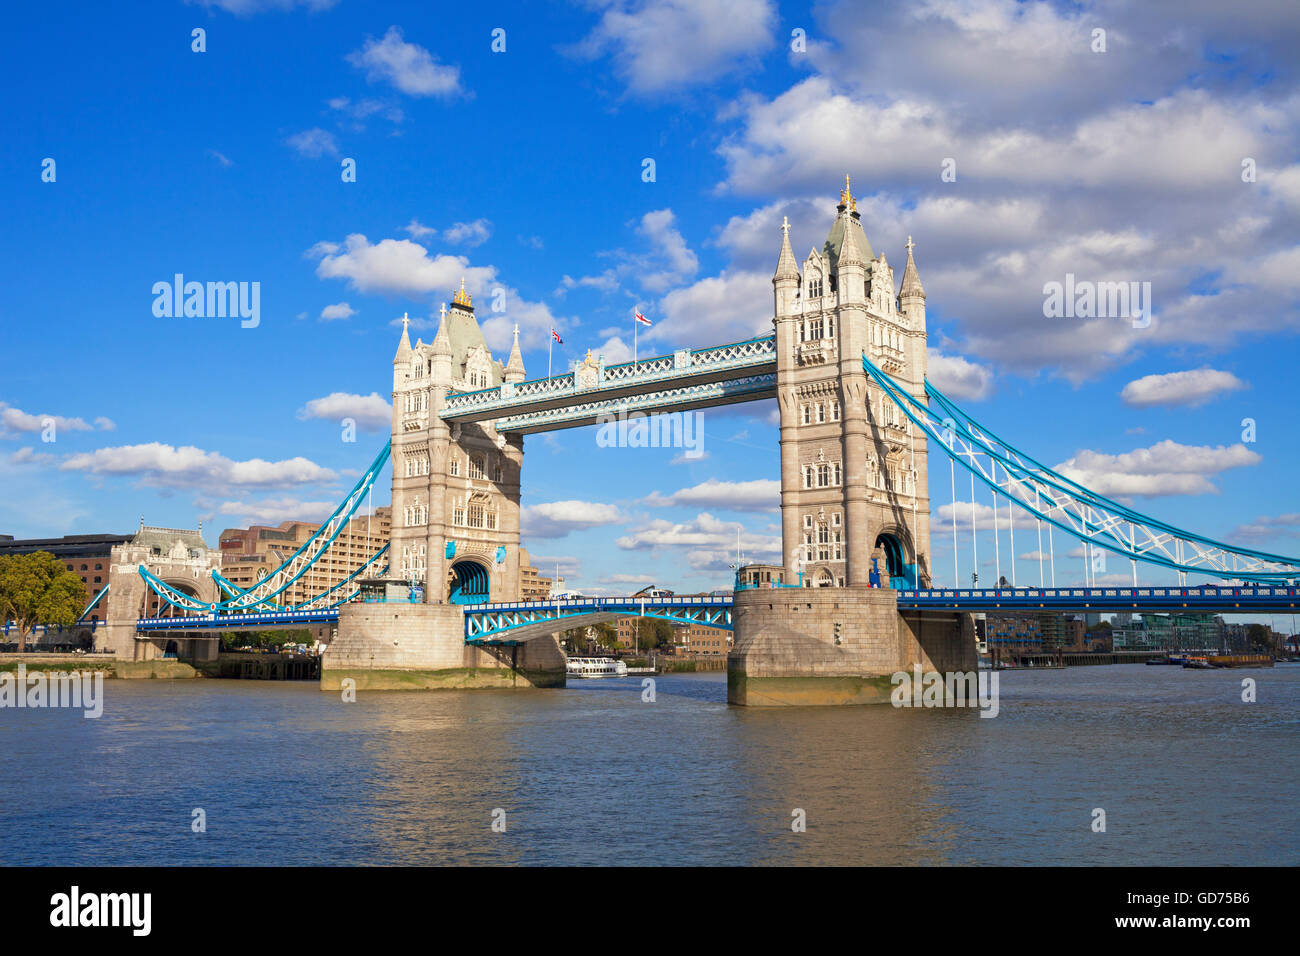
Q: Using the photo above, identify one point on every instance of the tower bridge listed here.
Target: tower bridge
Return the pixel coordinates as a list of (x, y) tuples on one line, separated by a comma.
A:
[(855, 599)]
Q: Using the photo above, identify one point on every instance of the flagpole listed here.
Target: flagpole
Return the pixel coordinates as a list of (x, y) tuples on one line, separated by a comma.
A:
[(550, 344), (635, 328)]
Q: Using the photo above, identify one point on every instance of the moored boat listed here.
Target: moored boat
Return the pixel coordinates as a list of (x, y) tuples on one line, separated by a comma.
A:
[(594, 667)]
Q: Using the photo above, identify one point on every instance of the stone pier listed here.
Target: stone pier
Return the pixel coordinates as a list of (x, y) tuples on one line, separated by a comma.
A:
[(401, 646), (818, 646)]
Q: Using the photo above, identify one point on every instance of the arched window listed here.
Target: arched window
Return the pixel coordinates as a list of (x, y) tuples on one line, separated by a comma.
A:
[(823, 475), (455, 465), (807, 414), (476, 466)]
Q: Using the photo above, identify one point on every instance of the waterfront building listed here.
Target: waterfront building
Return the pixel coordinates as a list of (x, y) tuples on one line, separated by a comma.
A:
[(250, 554), (88, 556)]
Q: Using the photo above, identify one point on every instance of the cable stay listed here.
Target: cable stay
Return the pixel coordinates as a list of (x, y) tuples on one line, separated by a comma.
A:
[(244, 600), (1085, 515)]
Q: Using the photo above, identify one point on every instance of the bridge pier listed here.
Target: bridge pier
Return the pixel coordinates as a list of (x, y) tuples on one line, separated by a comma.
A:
[(830, 646), (400, 646)]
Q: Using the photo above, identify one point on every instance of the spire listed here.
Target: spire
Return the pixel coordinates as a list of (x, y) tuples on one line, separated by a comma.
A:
[(515, 366), (404, 345), (911, 281), (850, 254), (785, 265), (441, 341)]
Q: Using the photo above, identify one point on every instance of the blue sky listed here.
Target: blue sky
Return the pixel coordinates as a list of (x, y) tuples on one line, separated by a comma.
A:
[(522, 170)]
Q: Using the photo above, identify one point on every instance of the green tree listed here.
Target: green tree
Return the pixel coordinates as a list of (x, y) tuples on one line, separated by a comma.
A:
[(37, 589), (653, 632)]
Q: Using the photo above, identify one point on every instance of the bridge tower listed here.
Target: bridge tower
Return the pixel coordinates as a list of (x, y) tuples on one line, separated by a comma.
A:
[(853, 473), (455, 529), (855, 507), (455, 487)]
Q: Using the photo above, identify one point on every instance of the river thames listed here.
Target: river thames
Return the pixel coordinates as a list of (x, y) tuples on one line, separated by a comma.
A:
[(1185, 771)]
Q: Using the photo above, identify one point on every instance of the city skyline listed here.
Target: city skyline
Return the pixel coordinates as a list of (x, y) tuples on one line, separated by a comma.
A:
[(524, 171)]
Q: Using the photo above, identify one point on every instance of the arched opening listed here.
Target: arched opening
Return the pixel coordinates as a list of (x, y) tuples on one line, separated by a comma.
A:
[(170, 650), (901, 574), (469, 583)]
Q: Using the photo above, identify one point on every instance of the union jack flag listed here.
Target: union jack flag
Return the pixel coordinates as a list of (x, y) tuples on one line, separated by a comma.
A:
[(556, 335)]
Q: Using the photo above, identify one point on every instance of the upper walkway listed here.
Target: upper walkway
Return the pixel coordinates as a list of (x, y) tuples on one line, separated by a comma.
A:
[(687, 379)]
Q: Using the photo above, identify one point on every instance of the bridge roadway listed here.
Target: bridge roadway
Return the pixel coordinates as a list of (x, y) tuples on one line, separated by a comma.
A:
[(514, 622)]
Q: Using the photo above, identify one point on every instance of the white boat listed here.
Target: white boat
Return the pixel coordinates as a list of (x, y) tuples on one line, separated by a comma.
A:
[(595, 667)]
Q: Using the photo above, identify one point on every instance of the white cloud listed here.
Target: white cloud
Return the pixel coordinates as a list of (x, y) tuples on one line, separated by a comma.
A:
[(705, 539), (164, 466), (418, 230), (340, 310), (958, 378), (314, 143), (468, 233), (760, 495), (979, 516), (724, 308), (1166, 468), (555, 519), (409, 67), (371, 412), (14, 421), (396, 266), (661, 45), (272, 511), (1263, 528), (1191, 388)]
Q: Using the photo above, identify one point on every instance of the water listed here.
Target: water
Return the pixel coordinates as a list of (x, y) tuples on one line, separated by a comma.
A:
[(1186, 772)]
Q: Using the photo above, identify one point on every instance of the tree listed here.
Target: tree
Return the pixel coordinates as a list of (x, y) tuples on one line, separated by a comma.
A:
[(653, 632), (36, 589)]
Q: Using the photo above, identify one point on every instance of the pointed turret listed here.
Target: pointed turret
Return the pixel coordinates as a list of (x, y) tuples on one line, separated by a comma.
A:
[(785, 283), (441, 341), (786, 267), (911, 296), (515, 366), (404, 345), (911, 281)]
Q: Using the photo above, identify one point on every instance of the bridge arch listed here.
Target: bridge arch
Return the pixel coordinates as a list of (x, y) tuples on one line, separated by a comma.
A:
[(894, 544), (469, 582)]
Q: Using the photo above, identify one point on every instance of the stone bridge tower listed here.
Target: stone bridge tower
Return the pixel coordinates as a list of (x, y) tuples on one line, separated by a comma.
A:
[(854, 482), (455, 487)]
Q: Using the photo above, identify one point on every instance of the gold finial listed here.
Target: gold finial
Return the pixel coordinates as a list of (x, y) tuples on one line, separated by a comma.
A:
[(846, 195), (461, 297)]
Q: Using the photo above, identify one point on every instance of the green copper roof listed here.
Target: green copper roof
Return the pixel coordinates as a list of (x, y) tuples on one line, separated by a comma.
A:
[(831, 250)]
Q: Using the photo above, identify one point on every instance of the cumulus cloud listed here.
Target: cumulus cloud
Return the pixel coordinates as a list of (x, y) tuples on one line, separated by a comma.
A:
[(165, 466), (371, 412), (555, 519), (468, 233), (408, 67), (958, 378), (1191, 388), (395, 266), (759, 495), (1166, 468), (340, 310), (663, 45)]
